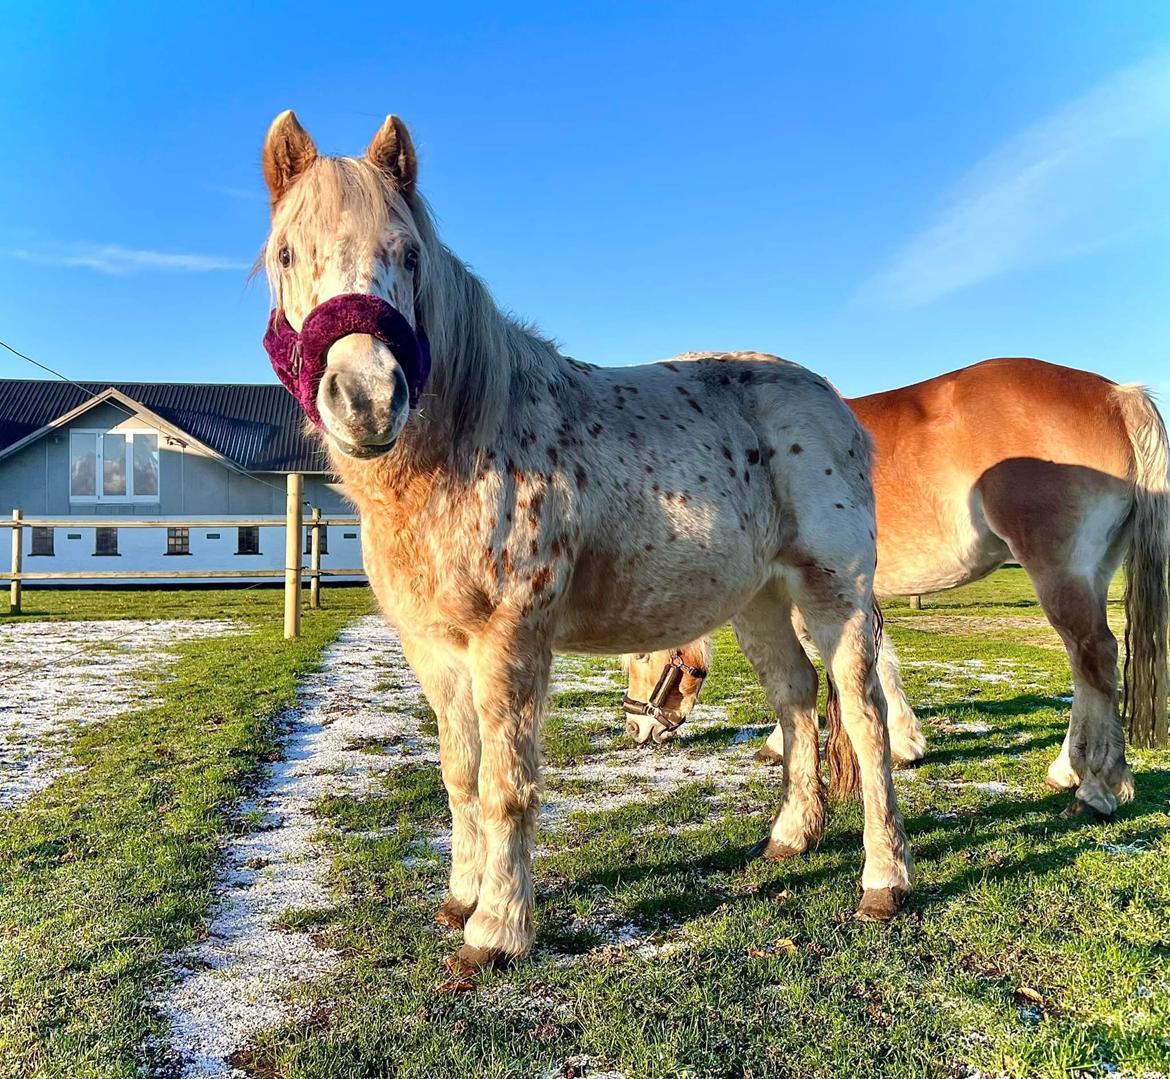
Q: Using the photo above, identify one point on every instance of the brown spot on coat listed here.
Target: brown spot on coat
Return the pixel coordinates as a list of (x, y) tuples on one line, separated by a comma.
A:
[(796, 447)]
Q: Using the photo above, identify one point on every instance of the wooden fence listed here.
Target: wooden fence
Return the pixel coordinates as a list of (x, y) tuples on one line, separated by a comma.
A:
[(292, 571)]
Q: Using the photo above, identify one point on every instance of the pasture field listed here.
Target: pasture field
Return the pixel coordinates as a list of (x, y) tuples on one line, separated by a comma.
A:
[(1034, 944)]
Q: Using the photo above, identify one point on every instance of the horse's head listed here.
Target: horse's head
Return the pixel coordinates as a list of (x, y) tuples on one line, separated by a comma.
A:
[(345, 260), (663, 689)]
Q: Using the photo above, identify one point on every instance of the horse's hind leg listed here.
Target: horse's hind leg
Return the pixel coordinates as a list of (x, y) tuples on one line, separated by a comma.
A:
[(1092, 757), (765, 633), (447, 685), (844, 629), (907, 742)]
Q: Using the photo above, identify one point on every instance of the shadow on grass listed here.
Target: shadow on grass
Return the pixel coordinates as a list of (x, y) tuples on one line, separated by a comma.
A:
[(713, 879)]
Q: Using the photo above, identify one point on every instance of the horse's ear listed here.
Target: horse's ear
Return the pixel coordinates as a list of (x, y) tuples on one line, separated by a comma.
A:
[(393, 152), (288, 151)]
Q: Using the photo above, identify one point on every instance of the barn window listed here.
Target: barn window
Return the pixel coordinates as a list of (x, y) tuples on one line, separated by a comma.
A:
[(324, 538), (248, 540), (113, 466), (178, 541), (42, 541), (106, 541)]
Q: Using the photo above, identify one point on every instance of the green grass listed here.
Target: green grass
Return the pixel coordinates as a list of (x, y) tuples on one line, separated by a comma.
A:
[(110, 869), (1034, 945)]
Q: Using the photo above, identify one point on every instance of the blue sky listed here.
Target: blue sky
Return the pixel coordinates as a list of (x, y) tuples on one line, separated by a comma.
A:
[(881, 192)]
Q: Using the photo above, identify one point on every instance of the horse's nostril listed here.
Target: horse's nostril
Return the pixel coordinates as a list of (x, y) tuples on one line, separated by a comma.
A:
[(400, 399), (346, 397), (332, 391)]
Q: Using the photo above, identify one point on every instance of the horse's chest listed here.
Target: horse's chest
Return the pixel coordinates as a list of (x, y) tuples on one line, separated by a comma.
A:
[(429, 574)]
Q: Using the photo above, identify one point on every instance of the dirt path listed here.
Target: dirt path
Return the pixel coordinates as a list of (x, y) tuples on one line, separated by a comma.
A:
[(236, 982)]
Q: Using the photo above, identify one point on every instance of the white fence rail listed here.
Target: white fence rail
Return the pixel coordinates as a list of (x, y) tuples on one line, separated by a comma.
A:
[(294, 522)]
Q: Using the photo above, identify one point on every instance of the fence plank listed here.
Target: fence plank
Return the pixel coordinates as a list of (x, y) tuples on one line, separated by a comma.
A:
[(165, 522)]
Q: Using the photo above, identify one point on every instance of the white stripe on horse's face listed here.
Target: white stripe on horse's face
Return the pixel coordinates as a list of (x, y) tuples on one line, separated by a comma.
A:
[(359, 246)]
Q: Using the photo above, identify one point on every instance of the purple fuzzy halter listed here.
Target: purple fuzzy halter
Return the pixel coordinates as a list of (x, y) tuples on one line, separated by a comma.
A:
[(299, 358)]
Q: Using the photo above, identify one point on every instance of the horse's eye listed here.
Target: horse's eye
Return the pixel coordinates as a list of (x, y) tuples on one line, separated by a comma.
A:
[(410, 259), (284, 257)]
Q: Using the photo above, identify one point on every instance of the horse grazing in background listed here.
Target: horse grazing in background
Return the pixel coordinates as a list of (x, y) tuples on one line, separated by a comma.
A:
[(663, 689), (1062, 471), (512, 505)]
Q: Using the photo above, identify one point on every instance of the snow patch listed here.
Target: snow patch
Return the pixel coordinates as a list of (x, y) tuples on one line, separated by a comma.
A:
[(237, 980), (59, 677)]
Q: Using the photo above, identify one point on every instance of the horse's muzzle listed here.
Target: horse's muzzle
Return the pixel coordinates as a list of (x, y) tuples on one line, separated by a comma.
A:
[(300, 359), (363, 398)]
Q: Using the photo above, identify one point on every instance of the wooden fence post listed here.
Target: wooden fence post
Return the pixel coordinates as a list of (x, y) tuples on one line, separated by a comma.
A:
[(916, 603), (315, 560), (292, 557), (17, 548)]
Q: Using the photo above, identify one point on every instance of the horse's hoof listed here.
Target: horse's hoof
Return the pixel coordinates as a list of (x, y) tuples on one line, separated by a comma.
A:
[(1077, 808), (453, 914), (767, 756), (771, 851), (470, 960), (881, 904), (1053, 785)]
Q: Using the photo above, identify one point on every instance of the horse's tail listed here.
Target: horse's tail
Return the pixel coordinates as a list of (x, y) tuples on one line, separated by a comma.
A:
[(1146, 679), (844, 770)]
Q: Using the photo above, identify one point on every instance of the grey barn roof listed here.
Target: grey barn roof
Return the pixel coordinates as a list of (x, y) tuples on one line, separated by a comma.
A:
[(259, 427)]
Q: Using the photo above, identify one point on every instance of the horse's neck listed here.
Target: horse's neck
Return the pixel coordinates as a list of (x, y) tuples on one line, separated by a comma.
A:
[(481, 358)]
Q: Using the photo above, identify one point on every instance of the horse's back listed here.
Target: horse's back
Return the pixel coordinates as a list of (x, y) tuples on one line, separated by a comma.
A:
[(1006, 456)]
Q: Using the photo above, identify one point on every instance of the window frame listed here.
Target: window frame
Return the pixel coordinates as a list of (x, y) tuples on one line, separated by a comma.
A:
[(41, 533), (97, 532), (174, 539), (240, 530), (324, 539), (98, 435)]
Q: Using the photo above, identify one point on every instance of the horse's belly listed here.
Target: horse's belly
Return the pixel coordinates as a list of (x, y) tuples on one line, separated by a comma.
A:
[(935, 550), (619, 605)]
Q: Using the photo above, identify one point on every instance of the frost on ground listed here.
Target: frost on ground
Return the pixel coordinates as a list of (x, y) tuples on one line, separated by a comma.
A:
[(237, 980), (57, 677)]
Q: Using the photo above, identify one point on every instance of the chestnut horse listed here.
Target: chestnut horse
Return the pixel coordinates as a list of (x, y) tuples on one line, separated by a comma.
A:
[(1062, 471), (520, 509)]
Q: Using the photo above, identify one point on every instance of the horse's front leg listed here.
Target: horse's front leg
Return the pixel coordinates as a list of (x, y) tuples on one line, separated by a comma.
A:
[(510, 673), (446, 681)]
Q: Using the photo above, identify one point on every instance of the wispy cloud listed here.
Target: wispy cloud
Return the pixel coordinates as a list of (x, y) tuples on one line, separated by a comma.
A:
[(117, 260), (1081, 178), (243, 194)]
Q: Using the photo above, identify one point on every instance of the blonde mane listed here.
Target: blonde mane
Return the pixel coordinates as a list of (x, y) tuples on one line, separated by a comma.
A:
[(482, 357)]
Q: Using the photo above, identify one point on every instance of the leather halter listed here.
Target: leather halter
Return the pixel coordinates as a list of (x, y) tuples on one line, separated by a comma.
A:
[(668, 681)]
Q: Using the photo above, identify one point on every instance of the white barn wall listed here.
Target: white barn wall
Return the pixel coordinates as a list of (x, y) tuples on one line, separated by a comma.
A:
[(192, 484)]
